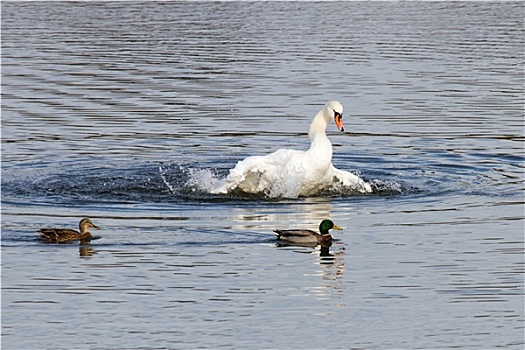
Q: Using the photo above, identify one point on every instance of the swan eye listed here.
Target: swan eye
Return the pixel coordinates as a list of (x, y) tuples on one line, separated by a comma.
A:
[(337, 114)]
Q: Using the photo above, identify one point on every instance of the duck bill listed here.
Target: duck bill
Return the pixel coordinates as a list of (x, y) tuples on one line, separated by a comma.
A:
[(339, 122), (337, 228), (96, 227)]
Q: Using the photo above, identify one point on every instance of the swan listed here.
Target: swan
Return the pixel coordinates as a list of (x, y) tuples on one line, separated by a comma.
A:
[(293, 173)]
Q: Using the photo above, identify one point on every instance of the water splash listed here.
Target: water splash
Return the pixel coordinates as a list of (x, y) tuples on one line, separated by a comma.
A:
[(186, 181), (388, 187), (181, 179)]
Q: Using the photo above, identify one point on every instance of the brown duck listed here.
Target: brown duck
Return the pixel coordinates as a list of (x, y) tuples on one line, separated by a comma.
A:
[(303, 236), (60, 235)]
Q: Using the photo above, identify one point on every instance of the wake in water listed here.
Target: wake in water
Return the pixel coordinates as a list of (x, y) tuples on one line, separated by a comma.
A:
[(158, 183)]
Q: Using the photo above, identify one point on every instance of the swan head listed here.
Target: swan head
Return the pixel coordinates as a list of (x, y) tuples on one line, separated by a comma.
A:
[(334, 110)]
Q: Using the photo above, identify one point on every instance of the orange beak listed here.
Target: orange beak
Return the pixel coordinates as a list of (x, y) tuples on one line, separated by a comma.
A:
[(339, 122)]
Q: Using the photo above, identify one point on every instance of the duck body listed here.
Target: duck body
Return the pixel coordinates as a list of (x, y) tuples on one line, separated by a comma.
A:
[(293, 173), (304, 236), (62, 235)]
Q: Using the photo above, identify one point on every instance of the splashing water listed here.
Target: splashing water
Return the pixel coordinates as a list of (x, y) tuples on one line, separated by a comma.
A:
[(203, 180), (184, 180)]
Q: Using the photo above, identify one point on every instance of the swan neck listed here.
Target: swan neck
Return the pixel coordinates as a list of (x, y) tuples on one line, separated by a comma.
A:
[(318, 126)]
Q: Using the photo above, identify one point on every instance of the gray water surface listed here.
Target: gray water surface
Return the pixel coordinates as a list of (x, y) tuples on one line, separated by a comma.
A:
[(124, 111)]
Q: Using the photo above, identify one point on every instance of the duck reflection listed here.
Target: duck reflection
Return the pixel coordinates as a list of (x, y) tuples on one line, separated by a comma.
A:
[(85, 250), (326, 256), (336, 259), (328, 259)]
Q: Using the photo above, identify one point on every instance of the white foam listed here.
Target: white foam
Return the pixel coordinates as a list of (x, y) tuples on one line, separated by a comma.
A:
[(183, 179), (202, 180)]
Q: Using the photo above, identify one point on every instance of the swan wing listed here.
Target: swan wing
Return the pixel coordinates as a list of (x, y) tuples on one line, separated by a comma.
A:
[(259, 173), (348, 179)]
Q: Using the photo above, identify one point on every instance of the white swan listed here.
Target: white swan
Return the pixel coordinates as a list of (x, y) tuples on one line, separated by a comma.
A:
[(292, 173)]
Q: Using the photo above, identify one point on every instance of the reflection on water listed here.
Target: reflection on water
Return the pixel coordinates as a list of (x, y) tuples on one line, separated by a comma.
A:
[(85, 251), (308, 213), (126, 112)]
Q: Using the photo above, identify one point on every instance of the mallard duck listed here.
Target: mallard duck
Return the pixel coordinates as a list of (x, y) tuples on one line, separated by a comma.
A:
[(65, 235), (303, 236)]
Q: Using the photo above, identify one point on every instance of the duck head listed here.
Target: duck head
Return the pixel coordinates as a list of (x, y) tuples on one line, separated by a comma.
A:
[(85, 224), (326, 225)]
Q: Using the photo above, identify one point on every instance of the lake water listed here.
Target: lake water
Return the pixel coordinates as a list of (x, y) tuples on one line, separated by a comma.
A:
[(124, 111)]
